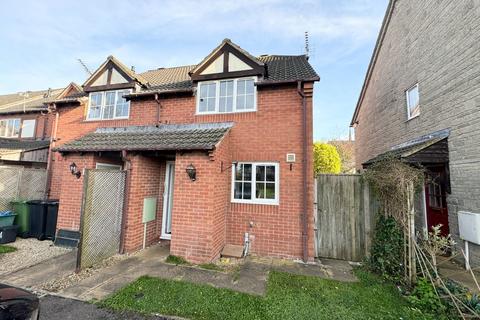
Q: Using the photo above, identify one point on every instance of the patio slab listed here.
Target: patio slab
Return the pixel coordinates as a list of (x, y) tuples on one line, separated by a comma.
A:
[(251, 277)]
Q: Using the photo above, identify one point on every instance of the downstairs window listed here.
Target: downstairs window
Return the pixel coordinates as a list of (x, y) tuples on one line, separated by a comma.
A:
[(256, 183)]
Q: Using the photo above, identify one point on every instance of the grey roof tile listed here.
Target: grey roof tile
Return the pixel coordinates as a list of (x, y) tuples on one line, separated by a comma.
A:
[(17, 103), (199, 136), (17, 144)]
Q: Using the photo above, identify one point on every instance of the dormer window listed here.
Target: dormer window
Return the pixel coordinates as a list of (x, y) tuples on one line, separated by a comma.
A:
[(227, 96), (108, 105)]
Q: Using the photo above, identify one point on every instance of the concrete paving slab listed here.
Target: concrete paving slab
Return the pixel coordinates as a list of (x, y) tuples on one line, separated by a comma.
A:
[(34, 276)]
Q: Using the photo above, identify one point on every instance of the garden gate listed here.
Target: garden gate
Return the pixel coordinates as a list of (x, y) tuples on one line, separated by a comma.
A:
[(101, 216), (344, 217)]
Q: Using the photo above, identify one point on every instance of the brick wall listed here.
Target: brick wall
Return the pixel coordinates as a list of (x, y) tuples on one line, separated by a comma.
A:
[(200, 228), (145, 177), (437, 44)]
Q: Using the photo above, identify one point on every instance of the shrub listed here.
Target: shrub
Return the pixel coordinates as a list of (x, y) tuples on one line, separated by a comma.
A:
[(326, 158), (386, 257), (425, 298)]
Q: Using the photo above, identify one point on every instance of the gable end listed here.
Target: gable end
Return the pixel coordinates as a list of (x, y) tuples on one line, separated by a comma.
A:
[(227, 62)]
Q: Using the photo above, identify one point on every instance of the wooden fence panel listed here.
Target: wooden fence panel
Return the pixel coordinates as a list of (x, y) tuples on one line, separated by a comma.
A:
[(345, 217)]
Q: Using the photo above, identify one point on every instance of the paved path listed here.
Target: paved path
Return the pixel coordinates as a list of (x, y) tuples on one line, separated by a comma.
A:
[(251, 277), (34, 276)]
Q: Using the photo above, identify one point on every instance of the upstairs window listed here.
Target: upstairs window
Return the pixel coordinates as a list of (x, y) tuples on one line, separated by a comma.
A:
[(413, 102), (28, 128), (9, 128), (226, 96), (255, 183), (107, 105)]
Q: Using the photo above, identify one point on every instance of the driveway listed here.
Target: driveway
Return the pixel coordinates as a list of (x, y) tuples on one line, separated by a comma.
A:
[(57, 308)]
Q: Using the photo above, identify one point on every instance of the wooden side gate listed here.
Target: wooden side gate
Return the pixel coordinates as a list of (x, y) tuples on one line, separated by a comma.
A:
[(345, 217), (101, 218)]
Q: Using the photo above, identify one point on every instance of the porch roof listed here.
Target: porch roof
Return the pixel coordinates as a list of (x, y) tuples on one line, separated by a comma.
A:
[(431, 148), (22, 145), (198, 136)]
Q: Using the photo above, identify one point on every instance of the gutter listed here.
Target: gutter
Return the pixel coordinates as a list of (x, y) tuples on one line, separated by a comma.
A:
[(304, 173), (273, 82), (373, 60)]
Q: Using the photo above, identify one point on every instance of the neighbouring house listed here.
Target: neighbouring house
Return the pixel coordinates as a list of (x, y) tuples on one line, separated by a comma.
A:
[(25, 128), (239, 125), (421, 102)]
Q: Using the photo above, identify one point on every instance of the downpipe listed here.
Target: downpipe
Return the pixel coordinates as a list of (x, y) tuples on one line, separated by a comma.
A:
[(304, 173)]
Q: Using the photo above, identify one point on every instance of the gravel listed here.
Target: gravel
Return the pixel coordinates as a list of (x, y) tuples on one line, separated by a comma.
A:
[(29, 252)]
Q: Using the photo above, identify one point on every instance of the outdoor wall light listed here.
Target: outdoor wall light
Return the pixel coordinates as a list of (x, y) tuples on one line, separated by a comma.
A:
[(191, 172), (74, 170)]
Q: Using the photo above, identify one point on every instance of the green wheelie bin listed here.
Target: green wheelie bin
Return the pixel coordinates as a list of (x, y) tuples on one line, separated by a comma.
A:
[(22, 219)]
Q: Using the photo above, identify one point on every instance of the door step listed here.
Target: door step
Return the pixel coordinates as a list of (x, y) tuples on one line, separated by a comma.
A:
[(67, 238), (232, 251)]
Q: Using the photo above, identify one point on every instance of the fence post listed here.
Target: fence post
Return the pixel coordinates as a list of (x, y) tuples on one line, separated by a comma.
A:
[(82, 217)]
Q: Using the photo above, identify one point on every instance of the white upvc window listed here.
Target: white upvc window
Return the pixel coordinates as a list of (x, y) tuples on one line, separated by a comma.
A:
[(255, 182), (28, 128), (9, 128), (413, 102), (107, 105), (227, 96)]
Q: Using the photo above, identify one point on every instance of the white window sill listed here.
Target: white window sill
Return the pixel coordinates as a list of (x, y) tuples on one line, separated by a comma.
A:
[(411, 118), (98, 120), (223, 113), (255, 202)]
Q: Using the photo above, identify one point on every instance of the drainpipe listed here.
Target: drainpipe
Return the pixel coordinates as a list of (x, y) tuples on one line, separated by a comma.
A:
[(128, 169), (53, 138), (304, 173), (157, 99)]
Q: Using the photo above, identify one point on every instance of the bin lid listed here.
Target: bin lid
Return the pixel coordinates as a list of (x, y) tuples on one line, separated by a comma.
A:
[(18, 201), (35, 201)]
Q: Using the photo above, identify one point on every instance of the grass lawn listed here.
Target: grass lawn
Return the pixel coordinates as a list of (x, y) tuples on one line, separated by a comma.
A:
[(6, 249), (288, 297)]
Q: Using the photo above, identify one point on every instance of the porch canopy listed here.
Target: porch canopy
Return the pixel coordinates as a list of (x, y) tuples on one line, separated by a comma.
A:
[(165, 137), (428, 149)]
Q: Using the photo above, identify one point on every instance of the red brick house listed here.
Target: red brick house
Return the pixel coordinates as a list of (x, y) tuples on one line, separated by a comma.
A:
[(25, 128), (242, 123)]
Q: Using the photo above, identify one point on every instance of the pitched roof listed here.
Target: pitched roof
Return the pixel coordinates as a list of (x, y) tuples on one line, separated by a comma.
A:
[(279, 69), (199, 136), (24, 145), (406, 150), (373, 59), (34, 101)]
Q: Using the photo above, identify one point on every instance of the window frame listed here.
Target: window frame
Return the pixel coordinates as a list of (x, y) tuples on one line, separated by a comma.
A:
[(34, 128), (102, 106), (13, 120), (217, 96), (254, 199), (409, 116)]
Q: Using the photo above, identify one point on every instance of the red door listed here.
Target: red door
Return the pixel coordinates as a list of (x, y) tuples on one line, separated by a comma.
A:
[(436, 199)]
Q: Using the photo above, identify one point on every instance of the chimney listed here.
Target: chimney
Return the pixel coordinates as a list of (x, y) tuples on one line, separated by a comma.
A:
[(133, 68)]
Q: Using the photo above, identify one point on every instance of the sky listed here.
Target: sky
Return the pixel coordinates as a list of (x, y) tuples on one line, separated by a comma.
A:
[(42, 40)]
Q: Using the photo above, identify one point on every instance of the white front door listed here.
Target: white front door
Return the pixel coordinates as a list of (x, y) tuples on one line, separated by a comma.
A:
[(168, 201)]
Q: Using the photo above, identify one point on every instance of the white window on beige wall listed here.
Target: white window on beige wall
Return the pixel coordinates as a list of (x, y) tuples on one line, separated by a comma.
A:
[(413, 102), (28, 128)]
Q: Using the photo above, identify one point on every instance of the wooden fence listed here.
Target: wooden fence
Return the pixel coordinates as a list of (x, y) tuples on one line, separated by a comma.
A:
[(345, 217)]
